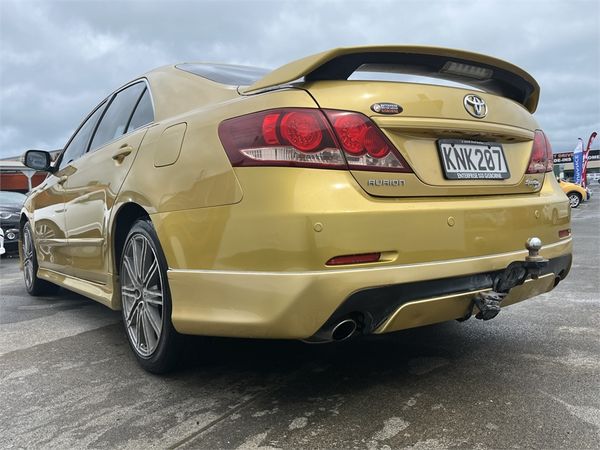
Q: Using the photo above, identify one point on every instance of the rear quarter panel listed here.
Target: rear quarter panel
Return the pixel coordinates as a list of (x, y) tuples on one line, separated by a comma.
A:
[(201, 176)]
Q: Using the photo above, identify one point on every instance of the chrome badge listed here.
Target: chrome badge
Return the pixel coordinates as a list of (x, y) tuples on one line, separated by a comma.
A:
[(386, 182), (386, 108), (475, 106)]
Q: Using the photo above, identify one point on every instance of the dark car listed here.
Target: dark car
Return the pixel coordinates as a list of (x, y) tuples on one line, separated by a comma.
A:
[(10, 210)]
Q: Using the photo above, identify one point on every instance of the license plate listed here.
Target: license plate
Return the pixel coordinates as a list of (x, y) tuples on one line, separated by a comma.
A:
[(470, 160)]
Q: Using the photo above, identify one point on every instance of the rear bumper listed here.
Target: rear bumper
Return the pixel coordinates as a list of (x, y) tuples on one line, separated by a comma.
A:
[(296, 305), (294, 220)]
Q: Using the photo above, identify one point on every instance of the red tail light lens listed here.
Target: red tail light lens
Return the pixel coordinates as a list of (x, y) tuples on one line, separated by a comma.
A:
[(365, 146), (303, 137), (296, 137), (269, 130), (302, 130), (541, 154), (350, 129), (375, 144)]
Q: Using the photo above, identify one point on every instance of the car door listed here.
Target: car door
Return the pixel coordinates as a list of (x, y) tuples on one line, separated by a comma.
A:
[(91, 190), (48, 224)]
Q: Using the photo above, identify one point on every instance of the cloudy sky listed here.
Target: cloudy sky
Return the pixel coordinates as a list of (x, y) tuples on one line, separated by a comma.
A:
[(59, 58)]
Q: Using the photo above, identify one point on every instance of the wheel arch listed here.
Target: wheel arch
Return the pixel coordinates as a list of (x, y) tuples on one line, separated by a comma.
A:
[(122, 223)]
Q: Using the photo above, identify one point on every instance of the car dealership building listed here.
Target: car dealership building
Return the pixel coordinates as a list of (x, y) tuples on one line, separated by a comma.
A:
[(563, 164)]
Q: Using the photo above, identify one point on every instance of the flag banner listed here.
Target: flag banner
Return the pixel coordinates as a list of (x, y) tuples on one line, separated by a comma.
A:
[(578, 162), (586, 158)]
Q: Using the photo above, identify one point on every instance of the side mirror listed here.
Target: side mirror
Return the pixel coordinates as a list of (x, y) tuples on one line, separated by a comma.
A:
[(38, 160)]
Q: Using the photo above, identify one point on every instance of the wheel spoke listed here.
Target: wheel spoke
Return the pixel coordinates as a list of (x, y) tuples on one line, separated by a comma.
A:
[(150, 273), (139, 251), (127, 290), (154, 320), (153, 297), (148, 338), (130, 271), (133, 311), (143, 249), (138, 329), (134, 261)]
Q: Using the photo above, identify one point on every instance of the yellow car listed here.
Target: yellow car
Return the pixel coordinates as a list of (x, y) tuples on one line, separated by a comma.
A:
[(574, 192), (318, 201)]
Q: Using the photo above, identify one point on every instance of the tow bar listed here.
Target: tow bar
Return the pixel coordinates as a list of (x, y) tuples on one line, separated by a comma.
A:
[(515, 274)]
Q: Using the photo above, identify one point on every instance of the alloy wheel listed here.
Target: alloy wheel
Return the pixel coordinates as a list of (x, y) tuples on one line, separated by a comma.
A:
[(28, 256), (574, 200), (142, 293)]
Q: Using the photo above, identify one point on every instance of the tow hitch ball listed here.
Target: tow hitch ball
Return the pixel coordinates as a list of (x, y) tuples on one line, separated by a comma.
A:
[(515, 274)]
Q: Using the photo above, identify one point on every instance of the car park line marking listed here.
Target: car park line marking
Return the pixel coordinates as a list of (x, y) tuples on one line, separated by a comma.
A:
[(210, 424), (588, 414), (254, 442)]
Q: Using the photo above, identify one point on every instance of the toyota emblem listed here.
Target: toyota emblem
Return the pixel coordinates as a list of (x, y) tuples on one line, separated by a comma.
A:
[(475, 106)]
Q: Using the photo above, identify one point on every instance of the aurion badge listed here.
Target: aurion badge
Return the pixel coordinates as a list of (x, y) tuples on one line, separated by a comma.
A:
[(475, 106)]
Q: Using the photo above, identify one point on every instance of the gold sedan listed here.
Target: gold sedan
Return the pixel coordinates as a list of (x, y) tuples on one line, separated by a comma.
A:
[(322, 200)]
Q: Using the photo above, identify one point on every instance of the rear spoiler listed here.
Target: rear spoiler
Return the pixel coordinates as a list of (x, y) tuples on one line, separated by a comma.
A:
[(480, 71)]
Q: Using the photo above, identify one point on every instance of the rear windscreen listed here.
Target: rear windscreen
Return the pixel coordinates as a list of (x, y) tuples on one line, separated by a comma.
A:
[(372, 74), (225, 74)]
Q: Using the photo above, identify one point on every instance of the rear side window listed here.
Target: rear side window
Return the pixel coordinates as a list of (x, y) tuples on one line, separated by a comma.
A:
[(143, 114), (115, 120), (80, 141)]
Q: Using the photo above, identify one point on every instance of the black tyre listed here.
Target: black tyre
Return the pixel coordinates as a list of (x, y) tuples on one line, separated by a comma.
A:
[(34, 285), (146, 300), (574, 199)]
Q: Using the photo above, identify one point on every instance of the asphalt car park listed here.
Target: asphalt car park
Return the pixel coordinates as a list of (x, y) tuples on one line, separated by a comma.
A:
[(528, 378)]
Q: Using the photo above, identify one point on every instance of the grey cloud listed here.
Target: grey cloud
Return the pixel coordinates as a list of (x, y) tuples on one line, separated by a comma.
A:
[(59, 58)]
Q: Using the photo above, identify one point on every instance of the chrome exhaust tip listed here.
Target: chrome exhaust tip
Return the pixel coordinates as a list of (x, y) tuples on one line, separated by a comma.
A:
[(343, 330)]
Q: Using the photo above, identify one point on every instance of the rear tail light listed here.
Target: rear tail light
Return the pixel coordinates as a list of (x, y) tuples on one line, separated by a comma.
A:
[(288, 137), (301, 137), (542, 159)]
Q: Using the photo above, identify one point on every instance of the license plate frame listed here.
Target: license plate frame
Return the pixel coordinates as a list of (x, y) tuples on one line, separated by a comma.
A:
[(463, 159)]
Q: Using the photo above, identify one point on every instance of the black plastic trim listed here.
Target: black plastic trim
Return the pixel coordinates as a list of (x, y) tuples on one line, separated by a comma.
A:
[(375, 305)]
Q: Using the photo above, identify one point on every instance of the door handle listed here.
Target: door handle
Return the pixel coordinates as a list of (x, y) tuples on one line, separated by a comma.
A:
[(62, 179), (122, 153)]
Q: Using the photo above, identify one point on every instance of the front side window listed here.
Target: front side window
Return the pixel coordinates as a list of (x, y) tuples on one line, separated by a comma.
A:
[(118, 113), (79, 144)]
